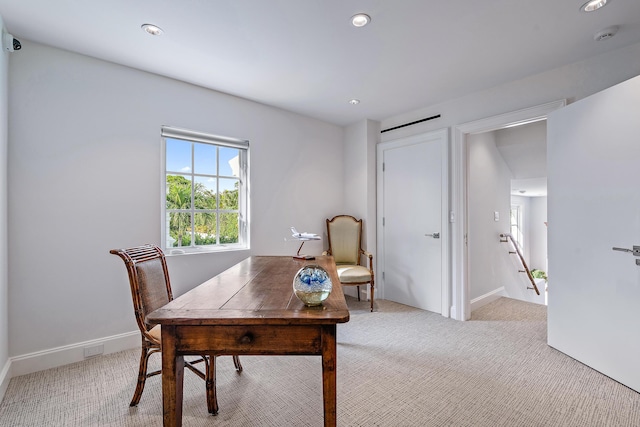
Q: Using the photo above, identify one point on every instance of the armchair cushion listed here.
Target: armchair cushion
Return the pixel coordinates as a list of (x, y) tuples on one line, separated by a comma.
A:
[(353, 274), (156, 333)]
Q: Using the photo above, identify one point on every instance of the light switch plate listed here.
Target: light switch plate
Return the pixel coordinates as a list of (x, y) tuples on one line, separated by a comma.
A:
[(496, 216)]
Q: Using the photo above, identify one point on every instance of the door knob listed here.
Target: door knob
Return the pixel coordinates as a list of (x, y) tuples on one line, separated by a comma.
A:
[(434, 235)]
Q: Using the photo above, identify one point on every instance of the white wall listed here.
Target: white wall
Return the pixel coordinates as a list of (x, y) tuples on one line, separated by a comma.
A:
[(4, 293), (355, 169), (360, 141), (85, 177), (359, 176), (489, 192), (524, 148)]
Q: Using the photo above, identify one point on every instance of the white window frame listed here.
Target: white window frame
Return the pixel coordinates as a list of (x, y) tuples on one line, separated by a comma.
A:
[(519, 225), (169, 132)]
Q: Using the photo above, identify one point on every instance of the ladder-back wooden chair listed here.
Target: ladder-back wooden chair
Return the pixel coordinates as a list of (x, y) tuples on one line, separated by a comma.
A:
[(344, 234), (151, 289)]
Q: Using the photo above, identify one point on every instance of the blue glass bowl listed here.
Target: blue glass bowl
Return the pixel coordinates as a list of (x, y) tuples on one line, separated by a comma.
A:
[(312, 285)]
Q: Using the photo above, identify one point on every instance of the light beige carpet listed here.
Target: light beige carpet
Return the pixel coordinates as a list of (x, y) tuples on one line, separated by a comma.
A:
[(398, 366)]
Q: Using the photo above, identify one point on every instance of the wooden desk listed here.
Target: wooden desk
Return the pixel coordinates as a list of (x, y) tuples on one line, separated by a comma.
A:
[(250, 309)]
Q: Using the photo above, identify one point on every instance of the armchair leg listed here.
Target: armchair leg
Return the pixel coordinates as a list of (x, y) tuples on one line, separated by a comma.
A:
[(358, 288), (236, 362), (372, 291)]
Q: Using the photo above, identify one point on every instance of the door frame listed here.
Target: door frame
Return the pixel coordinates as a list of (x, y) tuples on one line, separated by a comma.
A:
[(460, 300), (443, 135)]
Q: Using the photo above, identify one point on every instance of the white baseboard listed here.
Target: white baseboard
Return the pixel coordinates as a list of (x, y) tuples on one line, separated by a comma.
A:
[(487, 298), (59, 356), (5, 378)]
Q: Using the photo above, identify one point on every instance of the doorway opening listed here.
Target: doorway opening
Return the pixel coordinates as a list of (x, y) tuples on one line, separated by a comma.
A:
[(464, 254), (506, 210)]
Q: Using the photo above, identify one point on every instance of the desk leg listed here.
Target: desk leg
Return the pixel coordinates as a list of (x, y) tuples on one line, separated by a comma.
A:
[(172, 379), (329, 374)]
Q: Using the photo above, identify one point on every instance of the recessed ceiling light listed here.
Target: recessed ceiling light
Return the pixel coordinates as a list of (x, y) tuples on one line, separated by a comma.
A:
[(360, 20), (592, 5), (154, 30), (354, 101)]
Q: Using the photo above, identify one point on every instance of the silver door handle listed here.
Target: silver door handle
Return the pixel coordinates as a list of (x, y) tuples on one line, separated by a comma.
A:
[(635, 251), (434, 235)]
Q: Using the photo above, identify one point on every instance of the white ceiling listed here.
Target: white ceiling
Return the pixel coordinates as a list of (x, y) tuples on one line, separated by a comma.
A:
[(304, 56)]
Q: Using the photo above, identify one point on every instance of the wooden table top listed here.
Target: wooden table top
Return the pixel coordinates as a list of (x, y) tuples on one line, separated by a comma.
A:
[(258, 290)]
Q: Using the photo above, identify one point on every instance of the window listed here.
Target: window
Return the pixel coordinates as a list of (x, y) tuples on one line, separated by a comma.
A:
[(205, 193), (516, 225)]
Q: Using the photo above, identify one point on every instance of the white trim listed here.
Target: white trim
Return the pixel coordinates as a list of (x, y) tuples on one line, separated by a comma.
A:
[(485, 299), (459, 256), (5, 378), (59, 356), (514, 118), (443, 135), (192, 135), (379, 265)]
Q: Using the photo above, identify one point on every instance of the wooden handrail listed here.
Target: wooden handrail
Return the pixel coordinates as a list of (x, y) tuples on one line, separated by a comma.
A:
[(509, 238)]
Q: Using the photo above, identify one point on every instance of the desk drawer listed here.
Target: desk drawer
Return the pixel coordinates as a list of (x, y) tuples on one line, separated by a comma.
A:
[(255, 339)]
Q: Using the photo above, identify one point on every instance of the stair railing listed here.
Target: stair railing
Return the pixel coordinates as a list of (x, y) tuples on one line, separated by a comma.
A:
[(508, 238)]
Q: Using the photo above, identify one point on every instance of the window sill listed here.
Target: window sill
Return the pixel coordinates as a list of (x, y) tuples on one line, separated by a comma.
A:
[(169, 252)]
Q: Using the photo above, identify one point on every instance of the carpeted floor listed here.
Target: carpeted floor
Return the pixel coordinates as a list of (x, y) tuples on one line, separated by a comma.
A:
[(398, 366)]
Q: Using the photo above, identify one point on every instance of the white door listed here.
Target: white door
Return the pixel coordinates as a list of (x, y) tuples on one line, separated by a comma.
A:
[(412, 201), (593, 152)]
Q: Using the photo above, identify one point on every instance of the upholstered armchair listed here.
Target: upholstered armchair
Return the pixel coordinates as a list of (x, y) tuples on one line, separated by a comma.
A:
[(344, 233)]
